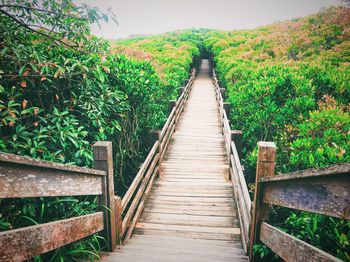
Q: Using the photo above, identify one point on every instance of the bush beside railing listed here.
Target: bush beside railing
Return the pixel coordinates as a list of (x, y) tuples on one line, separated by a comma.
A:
[(322, 190)]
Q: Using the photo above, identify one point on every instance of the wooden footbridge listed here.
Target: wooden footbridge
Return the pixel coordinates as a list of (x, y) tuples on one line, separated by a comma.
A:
[(189, 200)]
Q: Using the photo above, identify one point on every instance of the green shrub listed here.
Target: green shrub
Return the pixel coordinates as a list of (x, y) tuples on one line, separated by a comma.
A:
[(289, 83)]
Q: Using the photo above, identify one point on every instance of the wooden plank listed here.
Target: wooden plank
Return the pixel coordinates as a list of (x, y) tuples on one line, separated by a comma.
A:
[(140, 174), (323, 194), (204, 229), (337, 169), (190, 210), (160, 251), (209, 200), (185, 207), (24, 243), (169, 255), (290, 248), (17, 180), (190, 246), (189, 220), (23, 160)]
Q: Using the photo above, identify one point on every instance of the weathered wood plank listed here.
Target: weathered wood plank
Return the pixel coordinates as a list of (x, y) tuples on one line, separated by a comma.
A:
[(198, 229), (17, 180), (28, 161), (322, 194), (337, 169), (24, 243), (189, 220), (290, 248), (191, 210)]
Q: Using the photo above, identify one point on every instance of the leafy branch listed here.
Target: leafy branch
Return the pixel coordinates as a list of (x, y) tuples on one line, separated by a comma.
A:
[(59, 21)]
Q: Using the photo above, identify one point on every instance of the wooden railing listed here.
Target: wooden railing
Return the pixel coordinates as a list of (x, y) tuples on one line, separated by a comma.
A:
[(233, 142), (133, 201), (323, 191), (23, 177)]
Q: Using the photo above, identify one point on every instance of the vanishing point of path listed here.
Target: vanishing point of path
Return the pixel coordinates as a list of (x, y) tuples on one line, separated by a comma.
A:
[(190, 214)]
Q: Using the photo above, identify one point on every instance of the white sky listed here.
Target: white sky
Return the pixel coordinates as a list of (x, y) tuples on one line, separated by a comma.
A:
[(158, 16)]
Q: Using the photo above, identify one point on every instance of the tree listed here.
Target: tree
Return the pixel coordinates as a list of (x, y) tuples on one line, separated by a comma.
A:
[(61, 21)]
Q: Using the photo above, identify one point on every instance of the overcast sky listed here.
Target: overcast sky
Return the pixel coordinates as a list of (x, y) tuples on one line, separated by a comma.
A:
[(158, 16)]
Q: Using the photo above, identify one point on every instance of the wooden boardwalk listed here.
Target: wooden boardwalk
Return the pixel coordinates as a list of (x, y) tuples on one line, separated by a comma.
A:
[(190, 214)]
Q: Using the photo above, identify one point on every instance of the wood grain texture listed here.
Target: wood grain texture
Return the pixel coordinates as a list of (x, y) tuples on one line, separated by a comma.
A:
[(327, 195), (24, 243), (338, 169), (290, 248), (17, 180), (23, 160), (103, 160), (265, 167)]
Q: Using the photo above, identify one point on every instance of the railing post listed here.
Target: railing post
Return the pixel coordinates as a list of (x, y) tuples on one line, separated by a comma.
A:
[(265, 167), (118, 210), (155, 135), (227, 108), (236, 137), (222, 92), (103, 160), (181, 90), (171, 105)]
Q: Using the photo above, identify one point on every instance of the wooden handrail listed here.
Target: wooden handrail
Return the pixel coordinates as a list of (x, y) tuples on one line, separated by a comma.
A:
[(28, 161), (24, 243), (290, 248), (22, 177), (242, 198), (140, 174), (133, 201), (319, 190)]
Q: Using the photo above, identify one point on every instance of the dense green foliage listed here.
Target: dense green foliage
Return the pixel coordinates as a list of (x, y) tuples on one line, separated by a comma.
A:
[(289, 83), (172, 54)]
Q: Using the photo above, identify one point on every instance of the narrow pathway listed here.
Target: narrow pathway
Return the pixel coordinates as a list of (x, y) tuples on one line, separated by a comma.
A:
[(190, 214)]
